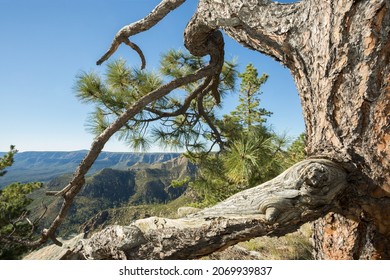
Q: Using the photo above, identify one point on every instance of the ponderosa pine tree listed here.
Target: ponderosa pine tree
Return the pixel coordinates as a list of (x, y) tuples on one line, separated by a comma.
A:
[(7, 160), (190, 129), (339, 56)]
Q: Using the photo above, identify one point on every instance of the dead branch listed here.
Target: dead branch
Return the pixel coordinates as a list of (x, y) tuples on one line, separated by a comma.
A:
[(158, 13)]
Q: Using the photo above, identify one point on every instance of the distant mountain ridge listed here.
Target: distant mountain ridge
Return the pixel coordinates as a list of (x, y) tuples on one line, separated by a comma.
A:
[(44, 166)]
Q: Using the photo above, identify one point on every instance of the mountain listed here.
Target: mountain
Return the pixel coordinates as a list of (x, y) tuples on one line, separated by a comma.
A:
[(45, 166)]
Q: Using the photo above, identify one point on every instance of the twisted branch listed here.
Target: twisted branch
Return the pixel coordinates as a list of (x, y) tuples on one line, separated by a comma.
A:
[(158, 13)]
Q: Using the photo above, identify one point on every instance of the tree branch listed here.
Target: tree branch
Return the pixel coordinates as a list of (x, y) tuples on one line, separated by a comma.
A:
[(158, 13), (206, 117), (72, 189), (260, 25), (301, 194), (204, 87)]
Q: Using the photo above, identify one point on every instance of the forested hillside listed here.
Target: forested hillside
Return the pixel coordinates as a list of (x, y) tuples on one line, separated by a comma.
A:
[(45, 166), (112, 188)]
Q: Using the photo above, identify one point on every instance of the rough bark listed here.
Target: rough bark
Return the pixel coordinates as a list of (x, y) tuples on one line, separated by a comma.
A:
[(338, 237)]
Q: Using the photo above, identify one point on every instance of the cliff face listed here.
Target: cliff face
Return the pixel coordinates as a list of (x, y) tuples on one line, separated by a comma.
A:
[(45, 166)]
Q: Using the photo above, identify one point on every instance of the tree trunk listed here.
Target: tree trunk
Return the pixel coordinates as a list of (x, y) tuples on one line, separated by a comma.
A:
[(338, 53)]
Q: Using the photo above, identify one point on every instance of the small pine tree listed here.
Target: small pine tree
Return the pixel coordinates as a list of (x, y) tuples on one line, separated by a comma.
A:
[(7, 160), (248, 112), (252, 153), (296, 151), (13, 211)]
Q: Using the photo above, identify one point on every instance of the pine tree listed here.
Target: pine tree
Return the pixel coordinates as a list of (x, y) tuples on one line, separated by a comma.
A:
[(252, 148), (7, 160), (248, 112), (253, 153), (14, 219), (178, 120)]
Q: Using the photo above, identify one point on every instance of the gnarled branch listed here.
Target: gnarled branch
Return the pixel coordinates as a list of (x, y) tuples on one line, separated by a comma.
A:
[(260, 25), (302, 193), (158, 13)]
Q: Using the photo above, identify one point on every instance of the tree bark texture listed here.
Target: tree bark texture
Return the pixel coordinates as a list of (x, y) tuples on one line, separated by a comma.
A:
[(338, 53)]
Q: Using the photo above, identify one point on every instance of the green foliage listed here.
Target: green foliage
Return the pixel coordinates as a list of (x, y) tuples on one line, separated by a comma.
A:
[(180, 182), (13, 203), (248, 161), (7, 160), (175, 120), (249, 149), (248, 112), (14, 215), (113, 94), (256, 157), (191, 129), (177, 63), (253, 154), (250, 153), (252, 158), (296, 151), (211, 184)]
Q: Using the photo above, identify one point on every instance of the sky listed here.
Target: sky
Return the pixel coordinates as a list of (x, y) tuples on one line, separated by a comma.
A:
[(45, 44)]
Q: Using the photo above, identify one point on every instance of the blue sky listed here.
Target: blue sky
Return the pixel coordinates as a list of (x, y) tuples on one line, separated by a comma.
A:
[(46, 43)]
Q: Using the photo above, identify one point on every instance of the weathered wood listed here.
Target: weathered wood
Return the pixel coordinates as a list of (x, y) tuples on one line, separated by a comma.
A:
[(142, 25), (302, 193)]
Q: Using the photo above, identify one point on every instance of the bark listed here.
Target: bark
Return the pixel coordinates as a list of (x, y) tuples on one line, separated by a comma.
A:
[(338, 237), (142, 25)]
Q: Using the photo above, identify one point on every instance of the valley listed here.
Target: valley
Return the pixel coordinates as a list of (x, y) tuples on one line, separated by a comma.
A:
[(147, 182)]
